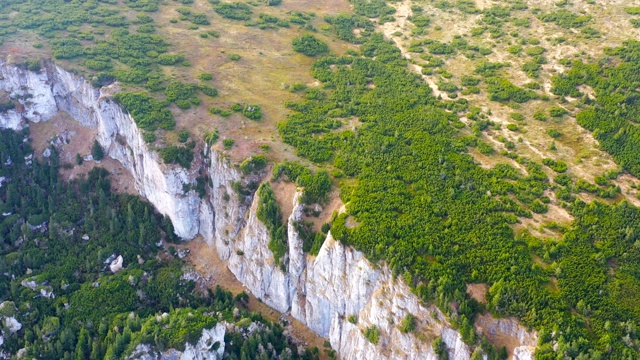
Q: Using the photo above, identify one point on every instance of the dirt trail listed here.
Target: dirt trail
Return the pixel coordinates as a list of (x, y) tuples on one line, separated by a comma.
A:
[(401, 25)]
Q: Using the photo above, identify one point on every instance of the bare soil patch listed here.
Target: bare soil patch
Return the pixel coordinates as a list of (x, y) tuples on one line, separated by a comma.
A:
[(284, 192), (626, 182), (478, 292), (206, 261), (73, 138), (121, 179)]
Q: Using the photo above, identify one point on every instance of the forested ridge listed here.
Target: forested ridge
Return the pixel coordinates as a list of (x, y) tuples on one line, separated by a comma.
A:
[(441, 221), (57, 241)]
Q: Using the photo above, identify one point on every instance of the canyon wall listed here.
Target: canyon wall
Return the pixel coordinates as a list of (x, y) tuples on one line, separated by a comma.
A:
[(337, 294)]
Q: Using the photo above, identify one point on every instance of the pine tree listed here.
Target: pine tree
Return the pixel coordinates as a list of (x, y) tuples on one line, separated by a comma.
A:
[(97, 151)]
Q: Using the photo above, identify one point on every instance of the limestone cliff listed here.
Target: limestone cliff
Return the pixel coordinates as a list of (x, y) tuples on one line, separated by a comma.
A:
[(53, 89), (324, 292)]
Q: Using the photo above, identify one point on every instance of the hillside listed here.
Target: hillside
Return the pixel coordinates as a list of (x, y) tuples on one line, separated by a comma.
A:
[(475, 158)]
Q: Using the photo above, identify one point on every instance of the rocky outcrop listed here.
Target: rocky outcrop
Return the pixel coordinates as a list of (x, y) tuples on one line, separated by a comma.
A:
[(8, 323), (524, 353), (344, 294), (210, 346), (116, 265), (338, 293), (508, 332), (253, 264)]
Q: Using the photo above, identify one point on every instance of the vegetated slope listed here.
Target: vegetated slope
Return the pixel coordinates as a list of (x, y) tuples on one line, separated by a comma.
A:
[(614, 111), (188, 66), (492, 53), (62, 294), (441, 221)]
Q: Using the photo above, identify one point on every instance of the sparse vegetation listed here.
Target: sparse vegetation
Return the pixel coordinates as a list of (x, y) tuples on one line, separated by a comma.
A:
[(195, 18), (149, 137), (565, 19), (183, 136), (228, 143), (503, 90), (372, 334), (440, 349), (253, 163), (205, 77), (221, 112), (148, 112), (211, 137), (517, 116), (208, 90), (554, 133), (253, 112), (557, 112), (408, 324), (557, 166), (485, 148), (316, 186)]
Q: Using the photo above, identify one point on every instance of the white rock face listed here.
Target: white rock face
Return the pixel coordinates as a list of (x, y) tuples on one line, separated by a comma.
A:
[(47, 293), (8, 321), (116, 265), (253, 264), (524, 353), (203, 350), (54, 89), (341, 283), (42, 105), (321, 292), (12, 324), (221, 227)]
